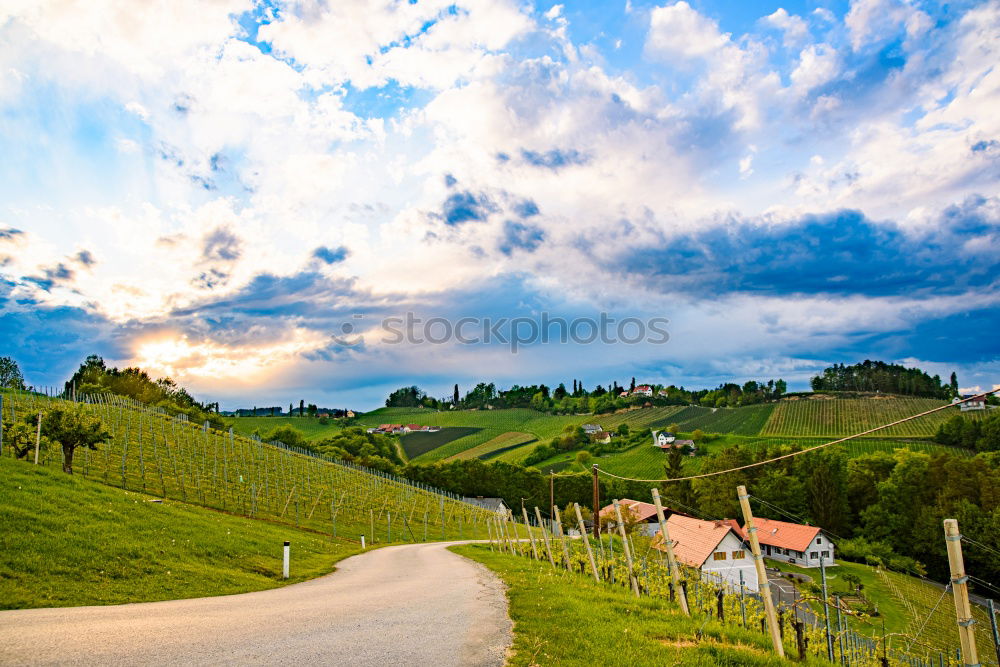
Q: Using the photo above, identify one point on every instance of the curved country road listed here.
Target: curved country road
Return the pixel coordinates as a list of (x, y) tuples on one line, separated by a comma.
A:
[(415, 604)]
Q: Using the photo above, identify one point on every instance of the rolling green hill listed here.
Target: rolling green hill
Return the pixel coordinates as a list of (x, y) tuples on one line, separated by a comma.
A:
[(311, 428), (798, 418), (72, 541), (154, 453)]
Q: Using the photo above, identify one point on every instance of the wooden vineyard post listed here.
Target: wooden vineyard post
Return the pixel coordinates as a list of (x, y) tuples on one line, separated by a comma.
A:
[(38, 437), (625, 548), (586, 542), (489, 532), (531, 538), (826, 609), (517, 538), (960, 591), (545, 536), (675, 572), (763, 584), (562, 536)]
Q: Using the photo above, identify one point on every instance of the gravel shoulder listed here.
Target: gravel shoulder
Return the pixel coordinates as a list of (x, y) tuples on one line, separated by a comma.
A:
[(416, 604)]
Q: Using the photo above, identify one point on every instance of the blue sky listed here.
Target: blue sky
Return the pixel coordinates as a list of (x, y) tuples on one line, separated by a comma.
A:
[(216, 191)]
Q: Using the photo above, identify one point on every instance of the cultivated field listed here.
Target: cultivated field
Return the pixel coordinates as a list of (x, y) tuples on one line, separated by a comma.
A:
[(154, 453), (496, 446), (846, 416)]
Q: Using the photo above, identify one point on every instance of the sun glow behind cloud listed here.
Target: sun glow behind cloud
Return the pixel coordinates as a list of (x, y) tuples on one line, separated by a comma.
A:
[(214, 366)]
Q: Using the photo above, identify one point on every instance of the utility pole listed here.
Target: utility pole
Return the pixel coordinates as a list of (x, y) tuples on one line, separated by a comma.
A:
[(625, 548), (762, 582), (597, 505), (960, 590), (675, 574)]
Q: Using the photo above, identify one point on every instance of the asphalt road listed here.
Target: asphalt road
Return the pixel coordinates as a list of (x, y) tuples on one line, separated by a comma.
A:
[(408, 605)]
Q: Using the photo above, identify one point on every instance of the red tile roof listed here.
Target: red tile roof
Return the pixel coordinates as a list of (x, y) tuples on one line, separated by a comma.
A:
[(786, 535), (414, 427), (644, 511), (694, 540)]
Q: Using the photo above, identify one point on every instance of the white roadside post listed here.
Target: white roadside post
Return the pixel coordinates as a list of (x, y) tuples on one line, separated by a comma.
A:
[(362, 542), (287, 555)]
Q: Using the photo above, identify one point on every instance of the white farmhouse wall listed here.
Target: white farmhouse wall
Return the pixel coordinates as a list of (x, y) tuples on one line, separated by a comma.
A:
[(729, 570)]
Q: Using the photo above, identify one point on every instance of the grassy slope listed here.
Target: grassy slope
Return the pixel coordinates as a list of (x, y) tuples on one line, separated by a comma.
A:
[(568, 619), (311, 428), (71, 541)]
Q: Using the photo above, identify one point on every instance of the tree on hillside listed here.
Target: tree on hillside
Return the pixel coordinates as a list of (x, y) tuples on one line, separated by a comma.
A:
[(302, 407), (631, 387), (827, 488), (954, 384), (583, 457), (290, 436), (291, 410), (20, 436), (312, 409), (454, 396), (405, 397), (10, 374), (73, 427)]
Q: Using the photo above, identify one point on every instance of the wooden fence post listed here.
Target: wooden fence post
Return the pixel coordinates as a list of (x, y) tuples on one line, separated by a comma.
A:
[(628, 552), (960, 590), (527, 525), (38, 437), (763, 585), (675, 573), (545, 536), (586, 542), (559, 530)]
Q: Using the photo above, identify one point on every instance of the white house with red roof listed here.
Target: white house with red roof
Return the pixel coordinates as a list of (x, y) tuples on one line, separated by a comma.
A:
[(643, 390), (645, 514), (715, 548), (793, 543)]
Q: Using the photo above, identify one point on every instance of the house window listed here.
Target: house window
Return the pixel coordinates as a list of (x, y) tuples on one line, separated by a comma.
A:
[(819, 540), (826, 554), (719, 555), (813, 554), (737, 555)]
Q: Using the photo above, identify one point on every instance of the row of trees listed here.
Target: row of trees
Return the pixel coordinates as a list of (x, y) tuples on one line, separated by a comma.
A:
[(96, 377), (598, 400), (878, 376), (983, 435)]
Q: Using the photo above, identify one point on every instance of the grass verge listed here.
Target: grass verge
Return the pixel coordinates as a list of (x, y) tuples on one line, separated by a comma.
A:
[(568, 619), (68, 541)]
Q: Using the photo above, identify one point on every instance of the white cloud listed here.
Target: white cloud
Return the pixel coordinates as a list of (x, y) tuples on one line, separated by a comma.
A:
[(794, 28), (818, 64), (679, 30)]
